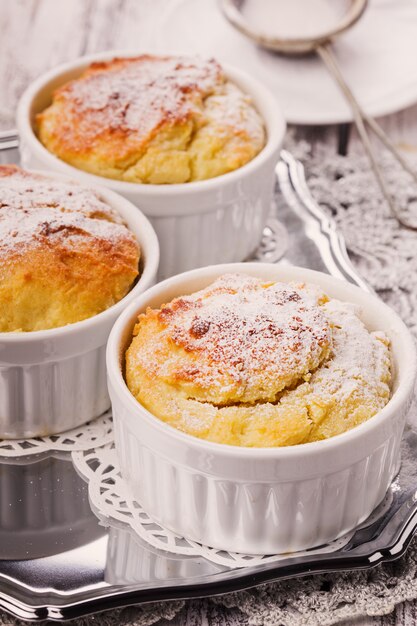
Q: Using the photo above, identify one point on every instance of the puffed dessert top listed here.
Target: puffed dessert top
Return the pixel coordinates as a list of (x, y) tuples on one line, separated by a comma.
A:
[(152, 119), (65, 255), (253, 363)]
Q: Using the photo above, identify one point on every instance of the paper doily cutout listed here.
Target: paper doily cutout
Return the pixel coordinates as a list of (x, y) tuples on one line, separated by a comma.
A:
[(110, 499), (96, 433)]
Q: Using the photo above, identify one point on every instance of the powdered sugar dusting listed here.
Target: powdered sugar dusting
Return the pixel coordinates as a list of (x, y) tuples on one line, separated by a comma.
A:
[(136, 94), (250, 363), (25, 190), (251, 340), (230, 107), (359, 363), (34, 209)]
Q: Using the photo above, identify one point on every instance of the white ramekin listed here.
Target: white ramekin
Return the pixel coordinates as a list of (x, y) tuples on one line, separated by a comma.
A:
[(219, 220), (54, 380), (260, 500)]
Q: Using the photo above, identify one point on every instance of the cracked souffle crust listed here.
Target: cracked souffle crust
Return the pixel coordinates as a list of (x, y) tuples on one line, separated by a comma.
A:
[(65, 255), (254, 363), (152, 119)]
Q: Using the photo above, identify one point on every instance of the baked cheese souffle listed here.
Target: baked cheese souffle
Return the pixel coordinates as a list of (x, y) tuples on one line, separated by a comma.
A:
[(65, 255), (253, 363), (152, 119)]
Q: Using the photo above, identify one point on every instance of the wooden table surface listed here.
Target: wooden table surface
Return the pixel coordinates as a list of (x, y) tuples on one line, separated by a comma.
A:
[(38, 34)]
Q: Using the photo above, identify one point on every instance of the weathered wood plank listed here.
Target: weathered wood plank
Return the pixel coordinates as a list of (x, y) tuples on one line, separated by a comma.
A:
[(34, 37)]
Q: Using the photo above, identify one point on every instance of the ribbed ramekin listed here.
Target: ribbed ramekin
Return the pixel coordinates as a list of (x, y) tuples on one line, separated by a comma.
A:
[(41, 511), (260, 500), (219, 220), (54, 380)]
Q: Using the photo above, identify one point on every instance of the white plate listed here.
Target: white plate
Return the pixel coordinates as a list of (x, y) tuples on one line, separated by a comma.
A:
[(378, 58)]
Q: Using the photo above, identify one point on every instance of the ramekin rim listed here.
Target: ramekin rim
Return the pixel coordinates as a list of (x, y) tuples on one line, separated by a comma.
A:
[(149, 270), (275, 126), (115, 376)]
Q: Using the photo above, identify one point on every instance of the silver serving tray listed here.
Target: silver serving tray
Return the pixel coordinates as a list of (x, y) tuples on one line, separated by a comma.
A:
[(57, 561)]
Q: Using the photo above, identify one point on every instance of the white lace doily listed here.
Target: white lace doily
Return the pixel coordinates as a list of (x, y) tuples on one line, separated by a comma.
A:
[(93, 434), (111, 500)]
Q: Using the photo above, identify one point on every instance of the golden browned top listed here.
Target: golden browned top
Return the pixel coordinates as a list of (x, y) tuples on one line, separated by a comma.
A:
[(152, 119), (238, 340), (65, 254), (252, 363)]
